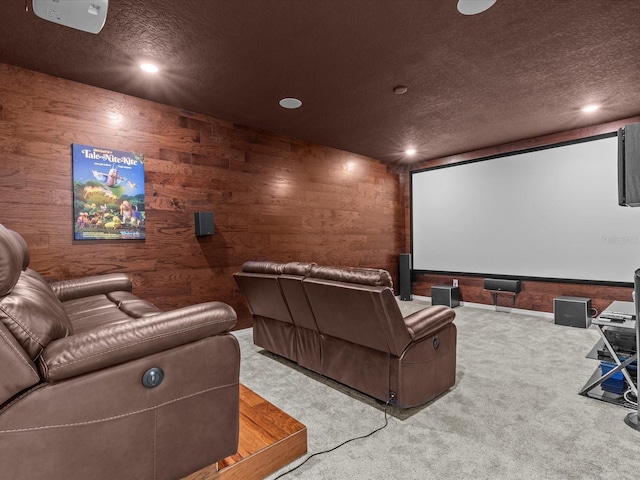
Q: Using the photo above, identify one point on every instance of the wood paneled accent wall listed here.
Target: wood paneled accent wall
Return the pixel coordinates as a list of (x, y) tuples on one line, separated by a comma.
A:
[(535, 295), (273, 197)]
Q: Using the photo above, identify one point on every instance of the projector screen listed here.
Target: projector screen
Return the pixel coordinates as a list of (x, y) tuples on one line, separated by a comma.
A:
[(550, 213)]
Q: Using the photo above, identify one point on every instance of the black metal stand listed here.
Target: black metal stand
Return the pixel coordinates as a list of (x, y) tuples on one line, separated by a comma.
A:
[(494, 295), (632, 420)]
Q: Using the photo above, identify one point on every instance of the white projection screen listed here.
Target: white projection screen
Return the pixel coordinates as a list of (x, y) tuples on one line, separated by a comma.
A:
[(550, 213)]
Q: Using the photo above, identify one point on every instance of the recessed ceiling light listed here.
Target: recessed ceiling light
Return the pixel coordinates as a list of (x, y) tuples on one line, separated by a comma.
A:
[(474, 7), (400, 89), (410, 152), (590, 108), (149, 67), (290, 103)]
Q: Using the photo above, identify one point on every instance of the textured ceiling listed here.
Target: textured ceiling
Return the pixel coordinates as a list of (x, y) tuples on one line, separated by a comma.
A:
[(520, 70)]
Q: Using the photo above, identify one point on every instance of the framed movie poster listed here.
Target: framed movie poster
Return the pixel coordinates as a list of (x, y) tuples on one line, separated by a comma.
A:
[(108, 194)]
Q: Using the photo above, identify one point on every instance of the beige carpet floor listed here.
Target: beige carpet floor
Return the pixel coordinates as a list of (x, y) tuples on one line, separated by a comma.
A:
[(514, 412)]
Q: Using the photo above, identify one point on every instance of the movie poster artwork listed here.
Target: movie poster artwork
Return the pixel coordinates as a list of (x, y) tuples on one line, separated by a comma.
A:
[(108, 194)]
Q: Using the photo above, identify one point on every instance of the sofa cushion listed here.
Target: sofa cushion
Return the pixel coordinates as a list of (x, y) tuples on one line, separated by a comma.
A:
[(272, 268), (132, 305), (33, 314), (18, 370), (297, 268), (11, 260), (26, 257), (93, 312), (364, 276)]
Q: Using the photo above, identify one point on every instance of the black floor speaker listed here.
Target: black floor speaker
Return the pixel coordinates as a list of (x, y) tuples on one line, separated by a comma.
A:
[(629, 165), (405, 276), (572, 311)]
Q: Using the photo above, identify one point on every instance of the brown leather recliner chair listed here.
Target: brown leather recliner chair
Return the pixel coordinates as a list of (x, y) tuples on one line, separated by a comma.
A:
[(96, 383)]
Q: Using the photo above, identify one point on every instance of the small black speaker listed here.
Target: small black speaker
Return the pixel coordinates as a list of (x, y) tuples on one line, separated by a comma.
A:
[(445, 295), (204, 223), (405, 276), (502, 285), (572, 311), (629, 165)]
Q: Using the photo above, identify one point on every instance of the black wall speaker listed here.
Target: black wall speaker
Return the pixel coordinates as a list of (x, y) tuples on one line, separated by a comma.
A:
[(405, 276), (502, 285), (204, 223), (629, 165), (572, 311)]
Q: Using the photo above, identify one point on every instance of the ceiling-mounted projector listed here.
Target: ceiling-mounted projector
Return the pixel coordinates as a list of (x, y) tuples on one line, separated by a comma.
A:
[(86, 15)]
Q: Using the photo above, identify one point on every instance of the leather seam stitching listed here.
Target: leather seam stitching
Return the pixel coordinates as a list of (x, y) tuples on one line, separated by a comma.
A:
[(155, 444), (12, 347), (29, 333), (119, 347), (116, 417)]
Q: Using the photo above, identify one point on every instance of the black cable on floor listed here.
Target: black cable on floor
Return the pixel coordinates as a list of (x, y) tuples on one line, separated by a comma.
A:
[(386, 422)]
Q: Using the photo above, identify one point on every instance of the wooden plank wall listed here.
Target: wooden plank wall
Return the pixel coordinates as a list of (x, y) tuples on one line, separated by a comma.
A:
[(273, 197), (535, 295)]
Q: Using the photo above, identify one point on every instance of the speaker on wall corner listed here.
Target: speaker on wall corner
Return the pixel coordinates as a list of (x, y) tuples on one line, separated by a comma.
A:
[(629, 165), (405, 276)]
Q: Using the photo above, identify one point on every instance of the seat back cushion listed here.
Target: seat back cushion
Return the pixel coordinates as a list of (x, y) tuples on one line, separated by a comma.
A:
[(17, 370), (361, 314), (12, 256), (263, 267), (297, 301), (29, 309), (34, 315), (291, 284), (264, 295), (362, 276), (297, 268)]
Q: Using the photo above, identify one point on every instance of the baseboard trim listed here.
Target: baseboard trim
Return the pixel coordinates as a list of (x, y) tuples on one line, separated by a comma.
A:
[(519, 311)]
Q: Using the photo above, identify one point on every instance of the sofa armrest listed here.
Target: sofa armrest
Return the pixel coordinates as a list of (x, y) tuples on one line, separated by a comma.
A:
[(428, 320), (94, 285), (115, 344)]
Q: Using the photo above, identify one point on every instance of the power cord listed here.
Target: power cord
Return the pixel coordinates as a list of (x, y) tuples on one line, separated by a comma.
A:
[(627, 396), (392, 398)]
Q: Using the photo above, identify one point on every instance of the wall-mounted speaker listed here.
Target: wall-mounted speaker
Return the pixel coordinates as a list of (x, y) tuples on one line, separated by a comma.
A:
[(404, 263), (629, 165), (204, 223)]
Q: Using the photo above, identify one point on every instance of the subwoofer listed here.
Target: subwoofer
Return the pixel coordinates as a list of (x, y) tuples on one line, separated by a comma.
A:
[(572, 311)]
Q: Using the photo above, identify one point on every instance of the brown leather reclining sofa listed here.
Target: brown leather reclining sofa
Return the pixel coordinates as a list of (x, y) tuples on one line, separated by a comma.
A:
[(73, 355), (345, 324)]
